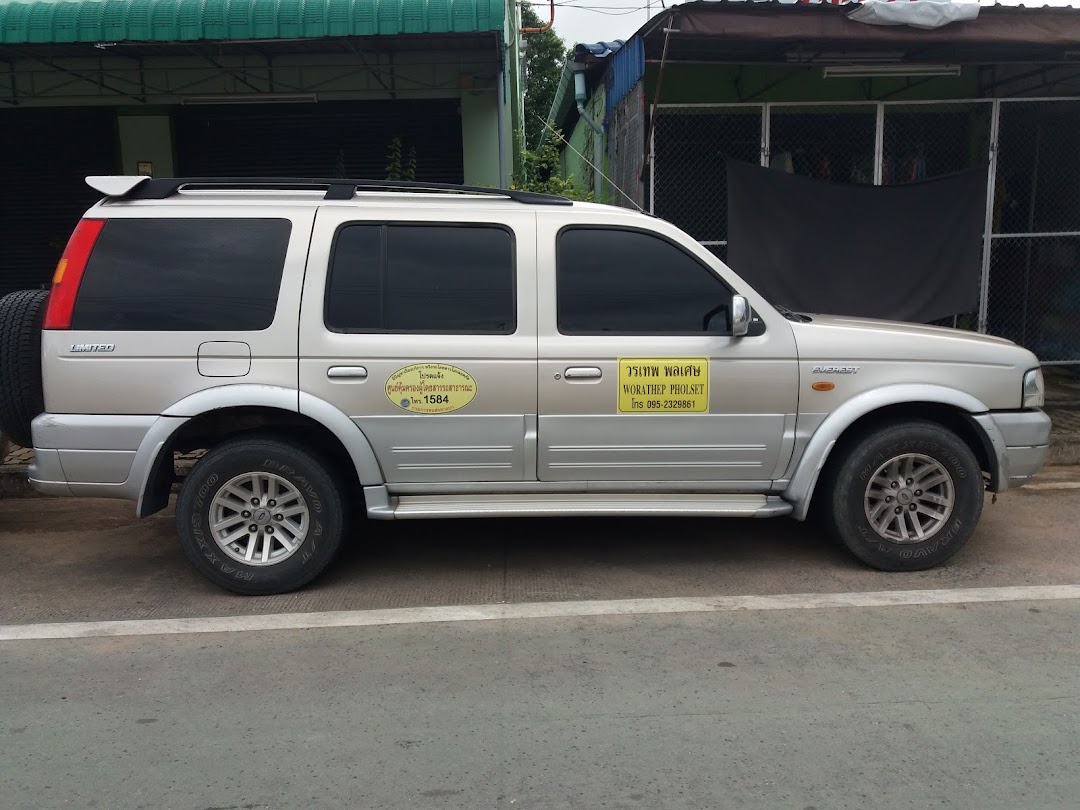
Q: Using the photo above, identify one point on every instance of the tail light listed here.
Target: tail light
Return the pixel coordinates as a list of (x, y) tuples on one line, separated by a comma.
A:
[(69, 273)]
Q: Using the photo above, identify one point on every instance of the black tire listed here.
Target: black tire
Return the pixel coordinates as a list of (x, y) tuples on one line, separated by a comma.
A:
[(848, 495), (21, 393), (300, 468)]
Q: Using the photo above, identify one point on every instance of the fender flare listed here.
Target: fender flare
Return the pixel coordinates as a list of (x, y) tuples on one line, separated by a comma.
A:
[(800, 488), (146, 463)]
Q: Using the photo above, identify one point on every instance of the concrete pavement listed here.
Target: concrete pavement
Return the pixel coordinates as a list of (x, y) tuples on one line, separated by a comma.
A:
[(90, 560), (967, 707), (963, 705)]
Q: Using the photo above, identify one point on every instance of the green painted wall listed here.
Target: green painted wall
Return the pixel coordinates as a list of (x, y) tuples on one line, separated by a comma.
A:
[(146, 138), (480, 137), (698, 84), (581, 138)]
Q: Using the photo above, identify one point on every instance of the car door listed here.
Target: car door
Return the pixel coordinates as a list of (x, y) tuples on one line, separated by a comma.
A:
[(639, 378), (421, 327)]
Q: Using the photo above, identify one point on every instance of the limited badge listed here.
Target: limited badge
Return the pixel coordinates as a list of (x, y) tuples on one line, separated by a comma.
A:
[(663, 385), (430, 388)]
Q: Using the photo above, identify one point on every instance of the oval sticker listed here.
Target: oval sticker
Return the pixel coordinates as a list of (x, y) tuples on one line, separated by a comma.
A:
[(430, 388)]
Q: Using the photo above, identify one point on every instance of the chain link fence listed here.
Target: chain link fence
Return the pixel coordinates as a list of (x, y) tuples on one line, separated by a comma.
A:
[(1034, 280), (691, 146), (1034, 294), (834, 144), (625, 151), (924, 141)]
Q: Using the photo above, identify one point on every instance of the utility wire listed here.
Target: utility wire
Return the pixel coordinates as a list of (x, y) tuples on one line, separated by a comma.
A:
[(548, 125)]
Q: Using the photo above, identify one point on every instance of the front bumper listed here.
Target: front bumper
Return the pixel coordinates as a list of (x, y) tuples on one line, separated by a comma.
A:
[(1020, 440)]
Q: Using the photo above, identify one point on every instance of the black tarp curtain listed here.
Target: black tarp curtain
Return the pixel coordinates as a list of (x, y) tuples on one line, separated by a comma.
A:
[(910, 252)]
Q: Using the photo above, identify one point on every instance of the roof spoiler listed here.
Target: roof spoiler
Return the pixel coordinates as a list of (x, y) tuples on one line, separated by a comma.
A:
[(115, 185)]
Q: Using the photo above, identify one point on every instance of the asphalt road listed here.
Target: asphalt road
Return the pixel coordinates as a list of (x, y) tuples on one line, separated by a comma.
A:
[(968, 705)]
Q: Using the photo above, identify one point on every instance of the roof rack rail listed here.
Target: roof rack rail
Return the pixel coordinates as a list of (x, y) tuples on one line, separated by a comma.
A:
[(336, 188)]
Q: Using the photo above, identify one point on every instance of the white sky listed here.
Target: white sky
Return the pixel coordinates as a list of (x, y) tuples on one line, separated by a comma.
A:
[(597, 20)]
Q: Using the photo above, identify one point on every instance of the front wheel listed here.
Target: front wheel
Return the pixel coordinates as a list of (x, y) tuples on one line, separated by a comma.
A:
[(260, 516), (906, 497)]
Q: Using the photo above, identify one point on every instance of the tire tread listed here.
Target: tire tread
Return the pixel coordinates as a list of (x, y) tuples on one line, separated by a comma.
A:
[(268, 581), (842, 483), (21, 391)]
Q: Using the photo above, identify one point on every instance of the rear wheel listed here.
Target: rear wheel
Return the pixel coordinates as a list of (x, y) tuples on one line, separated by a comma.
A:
[(260, 516), (906, 497), (21, 397)]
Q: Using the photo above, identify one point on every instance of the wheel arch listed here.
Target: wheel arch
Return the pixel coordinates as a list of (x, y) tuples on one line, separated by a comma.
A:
[(945, 406), (211, 416)]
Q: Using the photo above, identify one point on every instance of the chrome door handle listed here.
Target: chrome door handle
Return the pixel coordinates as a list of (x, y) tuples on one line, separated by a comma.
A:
[(347, 373), (583, 373)]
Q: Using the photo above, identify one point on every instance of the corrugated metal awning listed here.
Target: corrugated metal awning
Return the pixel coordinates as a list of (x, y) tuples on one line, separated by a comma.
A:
[(25, 22), (748, 32)]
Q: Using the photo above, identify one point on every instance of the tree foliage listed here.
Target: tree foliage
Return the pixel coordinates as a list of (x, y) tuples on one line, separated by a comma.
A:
[(540, 169), (545, 55)]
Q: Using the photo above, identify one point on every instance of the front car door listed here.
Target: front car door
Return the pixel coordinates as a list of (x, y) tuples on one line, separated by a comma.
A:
[(639, 379), (420, 325)]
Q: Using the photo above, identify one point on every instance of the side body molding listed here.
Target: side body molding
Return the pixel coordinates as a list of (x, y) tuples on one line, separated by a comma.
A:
[(805, 476), (149, 462)]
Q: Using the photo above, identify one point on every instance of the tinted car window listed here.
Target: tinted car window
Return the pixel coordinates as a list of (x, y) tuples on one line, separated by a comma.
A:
[(626, 282), (183, 275), (413, 278)]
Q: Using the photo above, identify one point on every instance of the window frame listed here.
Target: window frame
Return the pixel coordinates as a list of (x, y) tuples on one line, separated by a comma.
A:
[(290, 224), (646, 232), (384, 226)]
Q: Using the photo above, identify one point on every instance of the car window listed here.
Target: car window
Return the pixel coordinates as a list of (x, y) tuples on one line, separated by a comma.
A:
[(183, 275), (421, 278), (628, 282)]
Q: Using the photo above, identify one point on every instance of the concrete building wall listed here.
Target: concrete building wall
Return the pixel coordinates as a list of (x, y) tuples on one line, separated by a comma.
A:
[(480, 137), (581, 139)]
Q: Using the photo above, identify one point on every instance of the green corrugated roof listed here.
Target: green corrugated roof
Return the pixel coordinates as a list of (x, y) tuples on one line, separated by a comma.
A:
[(48, 21)]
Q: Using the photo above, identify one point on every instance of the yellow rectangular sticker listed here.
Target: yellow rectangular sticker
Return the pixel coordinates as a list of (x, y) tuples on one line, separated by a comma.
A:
[(663, 385)]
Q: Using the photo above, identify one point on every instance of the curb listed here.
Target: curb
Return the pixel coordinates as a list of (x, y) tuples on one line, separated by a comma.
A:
[(13, 482)]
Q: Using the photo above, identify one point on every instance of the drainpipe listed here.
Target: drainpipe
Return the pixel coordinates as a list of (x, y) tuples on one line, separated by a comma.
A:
[(598, 141), (500, 112)]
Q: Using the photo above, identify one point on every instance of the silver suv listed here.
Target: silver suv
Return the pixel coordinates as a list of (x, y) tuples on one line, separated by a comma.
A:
[(432, 352)]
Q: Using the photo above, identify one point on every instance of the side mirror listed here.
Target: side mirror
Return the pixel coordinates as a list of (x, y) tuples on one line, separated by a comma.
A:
[(740, 316)]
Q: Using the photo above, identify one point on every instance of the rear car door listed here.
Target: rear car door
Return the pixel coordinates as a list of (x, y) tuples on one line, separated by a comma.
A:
[(423, 331)]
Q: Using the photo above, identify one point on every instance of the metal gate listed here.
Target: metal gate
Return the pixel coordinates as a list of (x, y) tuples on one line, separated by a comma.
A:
[(1029, 287)]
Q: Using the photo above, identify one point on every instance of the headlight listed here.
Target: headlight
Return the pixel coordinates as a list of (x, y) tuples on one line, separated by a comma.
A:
[(1034, 393)]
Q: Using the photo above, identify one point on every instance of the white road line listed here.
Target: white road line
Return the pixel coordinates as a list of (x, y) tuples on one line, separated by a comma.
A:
[(533, 610), (1054, 485)]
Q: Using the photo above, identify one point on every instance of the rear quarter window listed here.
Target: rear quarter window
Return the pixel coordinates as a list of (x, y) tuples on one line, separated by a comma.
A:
[(183, 275)]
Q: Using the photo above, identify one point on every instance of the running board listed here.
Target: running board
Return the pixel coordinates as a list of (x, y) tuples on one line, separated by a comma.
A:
[(581, 505)]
